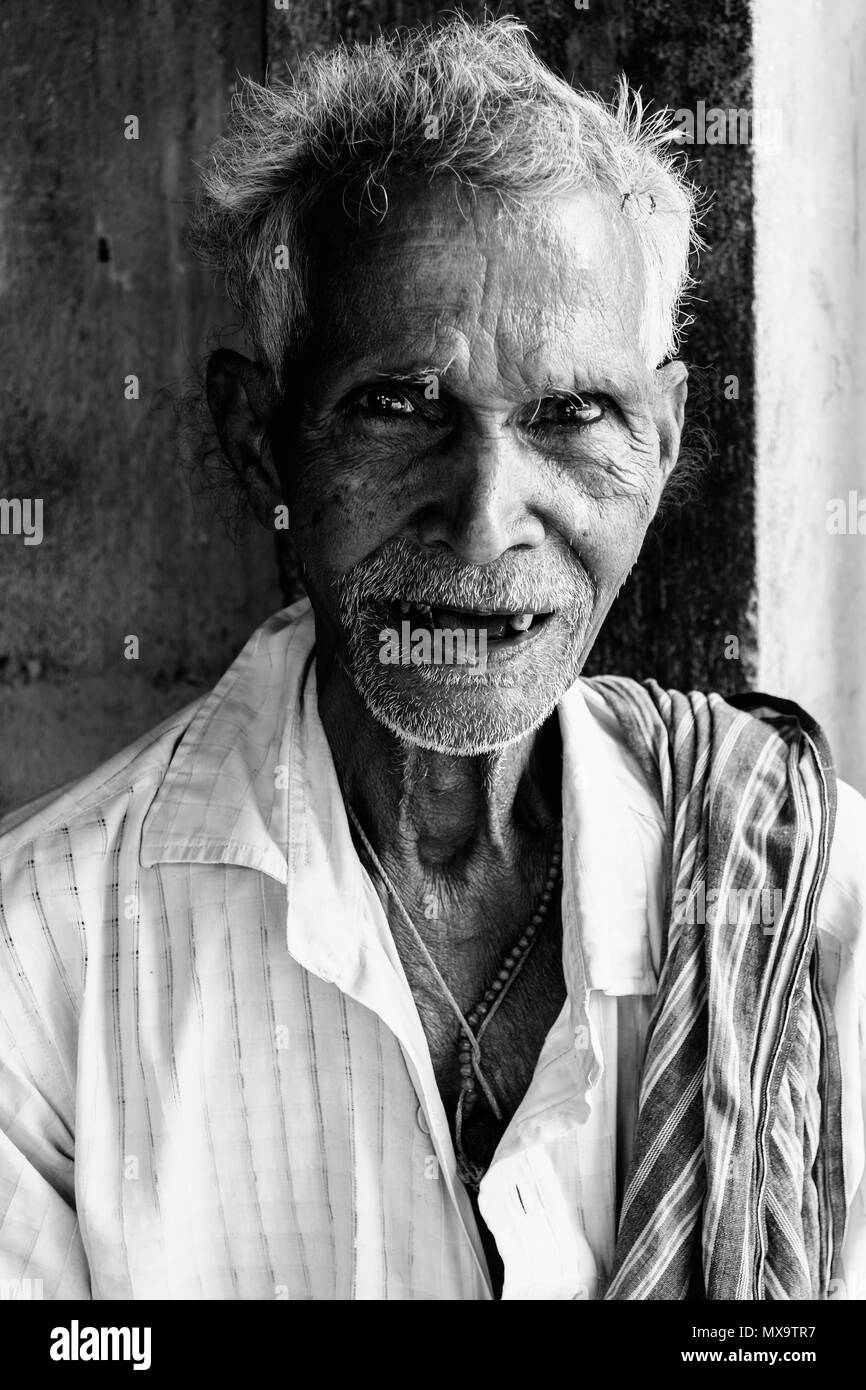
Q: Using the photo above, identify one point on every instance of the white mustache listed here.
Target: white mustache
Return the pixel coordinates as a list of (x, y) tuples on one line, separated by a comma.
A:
[(402, 572)]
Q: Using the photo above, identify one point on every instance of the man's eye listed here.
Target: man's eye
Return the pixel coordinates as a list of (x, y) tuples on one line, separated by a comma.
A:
[(385, 404), (566, 411)]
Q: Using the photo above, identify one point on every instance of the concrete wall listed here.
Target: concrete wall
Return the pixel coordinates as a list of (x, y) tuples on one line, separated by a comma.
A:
[(810, 309), (94, 285)]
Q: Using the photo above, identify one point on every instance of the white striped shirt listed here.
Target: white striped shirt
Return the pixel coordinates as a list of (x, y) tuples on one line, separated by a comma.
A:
[(214, 1082)]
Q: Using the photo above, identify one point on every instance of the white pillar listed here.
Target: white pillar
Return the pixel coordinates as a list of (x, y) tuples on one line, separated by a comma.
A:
[(810, 306)]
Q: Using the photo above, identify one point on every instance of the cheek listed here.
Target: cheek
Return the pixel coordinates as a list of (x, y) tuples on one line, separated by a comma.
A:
[(342, 511), (607, 538), (621, 499)]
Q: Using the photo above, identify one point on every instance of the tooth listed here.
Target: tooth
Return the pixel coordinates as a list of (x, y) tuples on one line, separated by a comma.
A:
[(521, 621)]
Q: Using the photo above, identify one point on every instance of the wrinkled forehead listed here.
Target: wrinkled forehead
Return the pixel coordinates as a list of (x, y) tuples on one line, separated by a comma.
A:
[(560, 277)]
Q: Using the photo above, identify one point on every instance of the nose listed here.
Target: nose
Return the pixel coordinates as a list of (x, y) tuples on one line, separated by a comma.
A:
[(485, 505)]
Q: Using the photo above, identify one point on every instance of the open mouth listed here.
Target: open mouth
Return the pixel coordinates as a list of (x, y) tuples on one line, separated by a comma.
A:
[(500, 627)]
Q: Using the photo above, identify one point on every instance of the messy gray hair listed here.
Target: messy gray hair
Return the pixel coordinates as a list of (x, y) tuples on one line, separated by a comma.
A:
[(470, 101)]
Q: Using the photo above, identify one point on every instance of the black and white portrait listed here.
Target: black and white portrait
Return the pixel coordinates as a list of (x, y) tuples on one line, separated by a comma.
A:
[(432, 740)]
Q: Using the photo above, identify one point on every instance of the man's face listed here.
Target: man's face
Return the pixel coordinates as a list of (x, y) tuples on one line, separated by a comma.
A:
[(476, 435)]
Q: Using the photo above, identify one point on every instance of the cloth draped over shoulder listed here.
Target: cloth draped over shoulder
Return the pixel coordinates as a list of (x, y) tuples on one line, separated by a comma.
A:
[(735, 1189)]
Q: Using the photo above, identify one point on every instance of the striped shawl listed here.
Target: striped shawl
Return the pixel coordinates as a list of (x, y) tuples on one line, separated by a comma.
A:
[(735, 1188)]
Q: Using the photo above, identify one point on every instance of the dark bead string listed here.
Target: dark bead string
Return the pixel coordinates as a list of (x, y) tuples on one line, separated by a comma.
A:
[(474, 1025), (479, 1019)]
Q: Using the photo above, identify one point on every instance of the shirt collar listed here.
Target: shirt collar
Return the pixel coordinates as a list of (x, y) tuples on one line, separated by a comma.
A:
[(252, 783), (225, 798), (605, 874)]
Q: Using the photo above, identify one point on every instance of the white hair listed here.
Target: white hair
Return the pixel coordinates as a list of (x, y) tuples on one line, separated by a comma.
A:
[(465, 100)]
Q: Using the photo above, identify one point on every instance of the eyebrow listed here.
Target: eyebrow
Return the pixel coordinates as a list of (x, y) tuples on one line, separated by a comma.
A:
[(627, 388), (413, 377), (351, 372), (417, 372)]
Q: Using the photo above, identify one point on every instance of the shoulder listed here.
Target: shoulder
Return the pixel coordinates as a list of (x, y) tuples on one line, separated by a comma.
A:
[(62, 863), (87, 818), (619, 701)]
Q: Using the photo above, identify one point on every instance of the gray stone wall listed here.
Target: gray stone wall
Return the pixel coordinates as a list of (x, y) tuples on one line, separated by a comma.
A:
[(96, 286)]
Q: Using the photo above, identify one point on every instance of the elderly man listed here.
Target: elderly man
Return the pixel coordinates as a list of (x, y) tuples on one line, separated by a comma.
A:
[(408, 964)]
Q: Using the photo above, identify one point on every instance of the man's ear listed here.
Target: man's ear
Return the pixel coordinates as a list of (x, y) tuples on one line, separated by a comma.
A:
[(672, 389), (242, 402)]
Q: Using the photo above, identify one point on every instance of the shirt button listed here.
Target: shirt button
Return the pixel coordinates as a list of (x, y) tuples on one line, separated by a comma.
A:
[(422, 1121)]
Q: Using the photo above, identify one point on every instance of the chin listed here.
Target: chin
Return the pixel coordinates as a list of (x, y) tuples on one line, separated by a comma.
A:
[(455, 738), (459, 712)]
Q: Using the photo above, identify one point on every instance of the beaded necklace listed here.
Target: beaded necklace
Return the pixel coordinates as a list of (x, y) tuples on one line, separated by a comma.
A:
[(474, 1025)]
